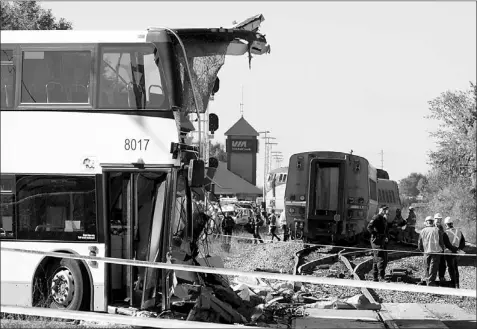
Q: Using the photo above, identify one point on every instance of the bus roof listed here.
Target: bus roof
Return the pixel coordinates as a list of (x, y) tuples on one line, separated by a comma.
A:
[(72, 36), (128, 36)]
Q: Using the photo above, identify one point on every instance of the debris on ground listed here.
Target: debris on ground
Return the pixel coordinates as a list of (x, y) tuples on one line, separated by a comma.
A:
[(253, 301)]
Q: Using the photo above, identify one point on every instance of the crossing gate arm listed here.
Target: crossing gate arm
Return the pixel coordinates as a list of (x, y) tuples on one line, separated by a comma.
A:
[(116, 318), (265, 275)]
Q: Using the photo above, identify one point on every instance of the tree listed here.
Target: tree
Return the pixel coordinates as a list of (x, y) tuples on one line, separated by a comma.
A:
[(456, 138), (409, 186), (28, 15), (450, 186), (217, 150)]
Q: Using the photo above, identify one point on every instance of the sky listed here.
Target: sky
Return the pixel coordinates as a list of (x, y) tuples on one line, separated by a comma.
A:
[(341, 76)]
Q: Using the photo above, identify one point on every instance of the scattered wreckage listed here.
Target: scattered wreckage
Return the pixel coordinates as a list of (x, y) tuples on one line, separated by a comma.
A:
[(247, 301)]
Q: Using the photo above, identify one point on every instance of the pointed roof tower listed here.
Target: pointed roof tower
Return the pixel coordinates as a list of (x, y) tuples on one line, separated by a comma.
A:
[(241, 128)]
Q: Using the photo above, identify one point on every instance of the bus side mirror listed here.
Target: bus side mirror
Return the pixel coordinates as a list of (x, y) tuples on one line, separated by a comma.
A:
[(196, 173)]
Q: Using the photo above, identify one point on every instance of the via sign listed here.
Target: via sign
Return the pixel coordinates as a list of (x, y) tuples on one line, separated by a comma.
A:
[(242, 145)]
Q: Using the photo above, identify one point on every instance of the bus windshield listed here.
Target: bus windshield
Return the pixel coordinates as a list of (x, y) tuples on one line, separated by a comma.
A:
[(130, 77)]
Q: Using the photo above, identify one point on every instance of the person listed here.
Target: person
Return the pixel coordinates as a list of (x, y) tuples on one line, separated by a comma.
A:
[(273, 225), (283, 224), (410, 227), (228, 225), (430, 242), (397, 226), (379, 238), (442, 260), (250, 227), (218, 222), (257, 223), (457, 241)]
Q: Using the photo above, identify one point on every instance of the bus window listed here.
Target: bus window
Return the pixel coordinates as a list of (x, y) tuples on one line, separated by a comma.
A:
[(7, 79), (372, 190), (56, 77), (130, 79), (56, 208)]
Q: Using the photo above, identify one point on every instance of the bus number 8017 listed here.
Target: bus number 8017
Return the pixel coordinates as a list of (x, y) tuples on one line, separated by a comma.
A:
[(133, 144)]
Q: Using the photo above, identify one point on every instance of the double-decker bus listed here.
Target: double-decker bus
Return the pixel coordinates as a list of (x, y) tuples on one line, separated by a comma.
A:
[(93, 161), (329, 196)]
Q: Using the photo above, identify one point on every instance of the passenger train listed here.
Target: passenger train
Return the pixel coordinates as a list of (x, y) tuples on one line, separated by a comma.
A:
[(275, 189), (334, 195)]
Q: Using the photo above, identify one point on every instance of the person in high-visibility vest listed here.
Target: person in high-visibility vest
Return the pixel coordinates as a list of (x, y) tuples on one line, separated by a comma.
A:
[(431, 242), (442, 260), (457, 241)]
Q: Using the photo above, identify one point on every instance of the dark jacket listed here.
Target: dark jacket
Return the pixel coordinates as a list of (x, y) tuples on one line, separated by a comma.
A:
[(378, 227), (446, 240)]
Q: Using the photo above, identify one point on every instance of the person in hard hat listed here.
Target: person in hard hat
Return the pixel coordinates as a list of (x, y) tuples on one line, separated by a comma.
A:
[(430, 242), (408, 235), (378, 227), (457, 244), (442, 261)]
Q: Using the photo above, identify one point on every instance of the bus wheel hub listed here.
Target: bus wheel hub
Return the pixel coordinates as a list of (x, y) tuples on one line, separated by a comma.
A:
[(62, 287)]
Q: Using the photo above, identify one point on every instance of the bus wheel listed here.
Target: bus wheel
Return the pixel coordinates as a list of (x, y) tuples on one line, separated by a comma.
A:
[(65, 285)]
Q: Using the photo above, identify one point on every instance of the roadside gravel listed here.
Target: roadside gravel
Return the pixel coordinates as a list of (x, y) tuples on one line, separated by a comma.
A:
[(280, 257)]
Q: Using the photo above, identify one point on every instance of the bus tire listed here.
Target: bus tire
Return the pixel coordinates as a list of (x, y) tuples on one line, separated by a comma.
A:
[(65, 285)]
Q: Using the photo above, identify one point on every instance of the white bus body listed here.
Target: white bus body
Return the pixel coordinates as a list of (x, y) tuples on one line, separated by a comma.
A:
[(72, 143), (92, 159)]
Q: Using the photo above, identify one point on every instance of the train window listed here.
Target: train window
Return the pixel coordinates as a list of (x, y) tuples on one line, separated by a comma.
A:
[(394, 197), (372, 190), (391, 196), (381, 197)]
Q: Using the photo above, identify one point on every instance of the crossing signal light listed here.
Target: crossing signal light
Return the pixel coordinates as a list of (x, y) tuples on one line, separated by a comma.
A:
[(213, 122)]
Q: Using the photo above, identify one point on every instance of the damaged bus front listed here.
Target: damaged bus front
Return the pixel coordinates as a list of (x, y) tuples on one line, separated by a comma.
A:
[(117, 106)]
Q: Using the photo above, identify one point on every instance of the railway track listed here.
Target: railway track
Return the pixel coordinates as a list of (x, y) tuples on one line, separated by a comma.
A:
[(357, 262)]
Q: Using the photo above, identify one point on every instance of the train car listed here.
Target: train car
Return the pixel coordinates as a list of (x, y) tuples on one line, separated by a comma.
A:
[(275, 189), (388, 193), (330, 196)]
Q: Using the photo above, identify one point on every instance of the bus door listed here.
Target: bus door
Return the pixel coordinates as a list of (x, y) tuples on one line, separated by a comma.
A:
[(136, 203), (325, 195)]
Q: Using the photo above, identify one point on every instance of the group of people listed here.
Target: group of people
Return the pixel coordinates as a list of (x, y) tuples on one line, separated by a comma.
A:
[(440, 246), (259, 219), (402, 229)]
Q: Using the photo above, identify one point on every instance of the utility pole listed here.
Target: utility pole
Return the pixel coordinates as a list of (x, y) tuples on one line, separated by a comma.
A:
[(278, 157), (264, 190), (268, 146), (241, 104), (382, 159)]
